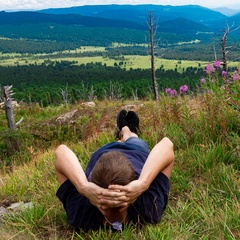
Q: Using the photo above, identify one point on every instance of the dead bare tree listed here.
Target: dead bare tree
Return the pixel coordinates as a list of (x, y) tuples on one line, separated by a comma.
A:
[(7, 97), (152, 46), (11, 140), (65, 95), (222, 40)]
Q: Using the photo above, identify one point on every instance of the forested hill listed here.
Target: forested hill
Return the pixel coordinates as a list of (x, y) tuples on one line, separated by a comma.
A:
[(28, 17), (72, 29), (209, 19), (138, 13), (188, 20), (102, 25)]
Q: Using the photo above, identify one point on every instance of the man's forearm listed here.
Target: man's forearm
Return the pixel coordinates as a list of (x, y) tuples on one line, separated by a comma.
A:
[(69, 167), (161, 156)]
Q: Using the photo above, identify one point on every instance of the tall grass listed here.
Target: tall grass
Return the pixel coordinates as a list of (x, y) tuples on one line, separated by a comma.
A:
[(204, 198)]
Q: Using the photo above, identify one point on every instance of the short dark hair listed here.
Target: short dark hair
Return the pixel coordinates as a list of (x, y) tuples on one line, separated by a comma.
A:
[(112, 168)]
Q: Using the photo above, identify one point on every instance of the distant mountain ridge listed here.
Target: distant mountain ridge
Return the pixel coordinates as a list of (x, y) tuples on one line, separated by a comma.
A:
[(138, 13), (115, 23), (227, 11), (210, 18), (28, 17), (125, 16), (178, 25)]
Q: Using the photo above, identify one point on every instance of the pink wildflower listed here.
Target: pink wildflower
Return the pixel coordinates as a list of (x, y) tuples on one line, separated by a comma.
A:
[(224, 73), (183, 89), (168, 90), (209, 68), (235, 75), (173, 93), (217, 64)]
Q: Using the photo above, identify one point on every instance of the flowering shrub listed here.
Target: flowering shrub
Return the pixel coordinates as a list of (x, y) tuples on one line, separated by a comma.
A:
[(183, 90), (236, 76), (172, 92), (218, 80)]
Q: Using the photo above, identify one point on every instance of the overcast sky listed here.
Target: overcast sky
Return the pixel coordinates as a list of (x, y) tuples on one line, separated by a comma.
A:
[(42, 4)]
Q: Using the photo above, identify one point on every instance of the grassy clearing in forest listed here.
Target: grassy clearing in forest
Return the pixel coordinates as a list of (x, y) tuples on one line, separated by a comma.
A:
[(129, 61), (204, 197)]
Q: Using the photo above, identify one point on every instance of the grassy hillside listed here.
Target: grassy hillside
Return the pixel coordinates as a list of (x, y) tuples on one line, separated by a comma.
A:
[(204, 194)]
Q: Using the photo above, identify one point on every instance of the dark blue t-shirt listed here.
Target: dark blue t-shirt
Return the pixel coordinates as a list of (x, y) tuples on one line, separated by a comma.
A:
[(148, 208)]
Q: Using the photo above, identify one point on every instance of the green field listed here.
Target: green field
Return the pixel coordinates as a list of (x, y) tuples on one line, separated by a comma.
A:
[(126, 61)]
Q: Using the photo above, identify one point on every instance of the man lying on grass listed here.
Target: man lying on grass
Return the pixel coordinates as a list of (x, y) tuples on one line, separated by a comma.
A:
[(124, 183)]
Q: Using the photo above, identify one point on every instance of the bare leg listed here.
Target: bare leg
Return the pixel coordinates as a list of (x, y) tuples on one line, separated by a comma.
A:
[(126, 133)]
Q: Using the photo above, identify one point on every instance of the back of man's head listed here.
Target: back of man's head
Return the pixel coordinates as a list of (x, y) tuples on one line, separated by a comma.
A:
[(112, 168)]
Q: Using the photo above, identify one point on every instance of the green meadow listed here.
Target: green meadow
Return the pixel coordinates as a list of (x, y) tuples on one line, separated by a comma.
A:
[(126, 61)]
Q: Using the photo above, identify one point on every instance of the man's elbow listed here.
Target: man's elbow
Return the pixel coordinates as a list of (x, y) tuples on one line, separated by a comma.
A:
[(168, 143), (170, 146), (60, 149)]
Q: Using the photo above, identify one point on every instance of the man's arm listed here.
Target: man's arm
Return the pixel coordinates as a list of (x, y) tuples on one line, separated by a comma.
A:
[(68, 167), (160, 159)]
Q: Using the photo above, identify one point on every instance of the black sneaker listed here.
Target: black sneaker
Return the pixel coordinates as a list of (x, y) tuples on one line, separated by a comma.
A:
[(121, 122), (133, 121)]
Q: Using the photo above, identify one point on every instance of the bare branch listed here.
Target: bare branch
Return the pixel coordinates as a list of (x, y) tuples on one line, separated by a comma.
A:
[(222, 41), (17, 123), (215, 53)]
